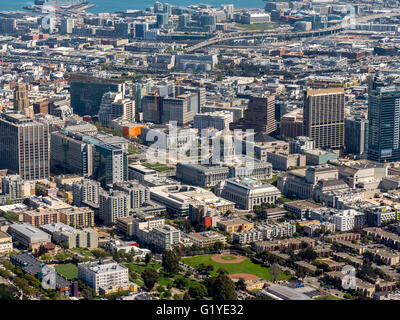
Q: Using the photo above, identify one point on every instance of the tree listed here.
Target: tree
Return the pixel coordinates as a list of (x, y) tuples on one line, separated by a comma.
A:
[(241, 284), (223, 271), (181, 283), (148, 258), (308, 254), (197, 290), (224, 288), (275, 272), (99, 254), (150, 276), (8, 292), (186, 296), (170, 261), (218, 246)]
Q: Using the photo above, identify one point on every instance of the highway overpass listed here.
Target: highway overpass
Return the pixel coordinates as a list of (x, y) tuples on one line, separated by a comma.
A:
[(286, 35)]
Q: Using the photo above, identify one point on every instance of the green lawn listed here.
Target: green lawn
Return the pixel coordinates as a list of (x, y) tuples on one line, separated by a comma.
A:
[(254, 26), (243, 267), (68, 271), (156, 166), (228, 258), (329, 297)]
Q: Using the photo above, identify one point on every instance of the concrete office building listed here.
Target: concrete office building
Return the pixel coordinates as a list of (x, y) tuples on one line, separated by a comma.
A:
[(384, 121), (69, 154), (246, 192), (217, 120), (113, 205), (152, 108), (140, 172), (8, 26), (180, 109), (24, 146), (177, 198), (323, 117), (28, 235), (259, 115), (291, 125), (103, 274), (356, 136), (201, 96), (259, 170), (21, 99), (87, 92), (200, 175), (86, 190), (281, 161), (67, 26)]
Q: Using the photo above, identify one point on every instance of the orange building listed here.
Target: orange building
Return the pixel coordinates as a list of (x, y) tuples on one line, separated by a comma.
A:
[(132, 131)]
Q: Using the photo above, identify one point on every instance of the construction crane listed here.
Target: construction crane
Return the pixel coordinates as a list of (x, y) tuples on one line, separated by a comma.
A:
[(155, 92), (178, 82)]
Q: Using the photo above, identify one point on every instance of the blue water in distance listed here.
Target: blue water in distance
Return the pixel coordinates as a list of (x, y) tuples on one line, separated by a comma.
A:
[(120, 5)]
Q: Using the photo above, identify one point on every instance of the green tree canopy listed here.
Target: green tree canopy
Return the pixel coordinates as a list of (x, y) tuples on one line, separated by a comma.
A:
[(150, 277), (170, 261)]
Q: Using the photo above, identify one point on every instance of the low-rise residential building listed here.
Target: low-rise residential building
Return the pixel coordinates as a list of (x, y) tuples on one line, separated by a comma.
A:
[(325, 226), (247, 237), (292, 243), (387, 257), (281, 230)]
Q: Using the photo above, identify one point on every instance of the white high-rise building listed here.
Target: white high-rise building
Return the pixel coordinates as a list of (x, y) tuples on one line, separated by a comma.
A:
[(113, 205), (345, 220)]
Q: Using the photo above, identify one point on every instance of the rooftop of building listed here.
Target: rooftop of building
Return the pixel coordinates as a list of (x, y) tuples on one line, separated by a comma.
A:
[(101, 266), (4, 235), (302, 205)]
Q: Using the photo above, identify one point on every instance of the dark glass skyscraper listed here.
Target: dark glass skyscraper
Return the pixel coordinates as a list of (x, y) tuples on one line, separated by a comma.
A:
[(384, 121), (87, 92)]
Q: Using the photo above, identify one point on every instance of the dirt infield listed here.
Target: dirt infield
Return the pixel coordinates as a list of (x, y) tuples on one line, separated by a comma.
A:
[(245, 276), (220, 258)]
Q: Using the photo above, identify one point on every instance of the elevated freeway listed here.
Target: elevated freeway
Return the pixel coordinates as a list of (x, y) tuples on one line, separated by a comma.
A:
[(285, 35)]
